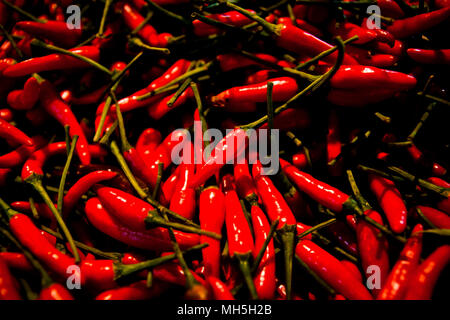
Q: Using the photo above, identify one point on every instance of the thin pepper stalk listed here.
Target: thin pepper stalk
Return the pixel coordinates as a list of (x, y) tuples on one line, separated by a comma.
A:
[(101, 28), (64, 176)]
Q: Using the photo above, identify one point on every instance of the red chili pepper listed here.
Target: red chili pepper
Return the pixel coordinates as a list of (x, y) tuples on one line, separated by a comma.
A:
[(443, 205), (212, 218), (55, 31), (359, 97), (134, 291), (8, 289), (232, 61), (219, 289), (245, 185), (130, 212), (229, 148), (331, 270), (344, 236), (264, 279), (390, 8), (183, 199), (4, 176), (353, 269), (233, 18), (441, 56), (55, 292), (302, 24), (293, 118), (19, 155), (367, 58), (25, 99), (419, 158), (401, 273), (283, 89), (16, 260), (148, 141), (421, 284), (436, 217), (52, 103), (390, 201), (160, 108), (133, 19), (6, 114), (413, 25), (321, 192), (13, 134), (346, 30), (168, 187), (55, 61), (396, 50)]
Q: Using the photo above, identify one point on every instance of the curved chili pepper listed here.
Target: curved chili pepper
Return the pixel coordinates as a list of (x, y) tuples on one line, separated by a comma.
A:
[(443, 205), (212, 218), (353, 269), (331, 270), (55, 31), (284, 88), (232, 61), (55, 292), (441, 56), (323, 193), (25, 99), (396, 50), (233, 18), (264, 279), (134, 291), (183, 200), (13, 134), (219, 289), (421, 285), (147, 142), (16, 260), (436, 217), (418, 157), (413, 25), (168, 187), (160, 108), (245, 185), (346, 30), (220, 156), (55, 61), (390, 201), (8, 290), (133, 19), (19, 155), (367, 58)]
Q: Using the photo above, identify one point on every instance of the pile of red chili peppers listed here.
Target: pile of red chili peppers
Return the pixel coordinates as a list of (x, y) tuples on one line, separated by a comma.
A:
[(93, 206)]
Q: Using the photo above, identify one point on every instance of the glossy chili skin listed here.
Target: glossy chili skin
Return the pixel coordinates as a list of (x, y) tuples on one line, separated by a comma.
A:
[(127, 212), (390, 201), (140, 167), (401, 273), (59, 110), (372, 247), (413, 25), (147, 142), (284, 88), (55, 61), (133, 19), (159, 109), (19, 155), (55, 31), (16, 260), (245, 185), (219, 289), (438, 218), (134, 291), (443, 205), (422, 283), (8, 290), (264, 278), (233, 18), (232, 61), (429, 56), (26, 98), (367, 58), (419, 158), (212, 218), (13, 134), (346, 30), (55, 292), (331, 270)]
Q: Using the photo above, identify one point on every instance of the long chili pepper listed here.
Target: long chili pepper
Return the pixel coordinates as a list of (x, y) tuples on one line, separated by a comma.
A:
[(443, 205), (229, 148), (368, 58), (19, 155), (419, 158), (8, 289), (401, 273), (430, 56), (147, 142), (233, 18), (51, 102), (212, 218), (346, 30), (390, 9), (16, 260), (232, 61), (302, 24), (137, 215), (133, 20), (264, 278), (245, 185), (421, 284), (168, 187), (277, 208), (55, 292), (331, 270), (13, 134), (390, 201), (239, 235), (219, 289), (24, 99), (55, 31), (55, 61), (328, 196), (134, 291), (413, 25), (436, 217), (160, 108), (283, 89)]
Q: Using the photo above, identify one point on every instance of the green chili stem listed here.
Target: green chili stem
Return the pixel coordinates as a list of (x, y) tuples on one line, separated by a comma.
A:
[(167, 12), (138, 43), (422, 120), (158, 180), (104, 15), (64, 175), (12, 41), (22, 12), (316, 277), (261, 252)]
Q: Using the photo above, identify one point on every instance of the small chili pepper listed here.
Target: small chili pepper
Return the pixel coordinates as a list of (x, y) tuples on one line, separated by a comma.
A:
[(419, 158), (55, 292), (390, 201), (6, 114), (147, 142), (25, 99), (300, 160), (168, 187), (239, 235), (264, 278), (328, 196), (421, 284), (232, 61), (55, 61), (183, 200), (443, 205), (367, 58), (8, 289), (331, 270), (344, 236), (407, 27), (233, 18), (4, 172), (13, 134), (283, 89), (396, 50), (160, 108), (236, 140), (133, 19), (19, 155), (245, 185), (55, 31), (212, 218), (156, 239), (219, 289), (436, 217), (441, 56), (134, 291), (401, 273)]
